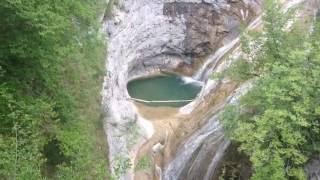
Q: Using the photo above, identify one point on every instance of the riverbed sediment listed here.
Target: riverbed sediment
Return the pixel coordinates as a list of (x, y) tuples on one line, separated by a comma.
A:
[(187, 37)]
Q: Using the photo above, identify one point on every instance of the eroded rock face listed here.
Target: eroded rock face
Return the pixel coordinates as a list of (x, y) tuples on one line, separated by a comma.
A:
[(208, 23), (150, 36), (164, 34), (204, 26), (313, 168)]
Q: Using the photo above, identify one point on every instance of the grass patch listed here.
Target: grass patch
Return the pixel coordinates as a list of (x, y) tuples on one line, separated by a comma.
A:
[(144, 163)]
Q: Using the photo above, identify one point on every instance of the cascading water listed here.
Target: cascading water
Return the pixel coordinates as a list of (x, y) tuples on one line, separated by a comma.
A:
[(201, 153), (190, 80), (189, 162), (210, 65), (213, 60), (207, 68), (189, 151), (149, 36)]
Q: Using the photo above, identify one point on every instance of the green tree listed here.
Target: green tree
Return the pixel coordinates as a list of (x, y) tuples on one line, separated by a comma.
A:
[(277, 121), (51, 64)]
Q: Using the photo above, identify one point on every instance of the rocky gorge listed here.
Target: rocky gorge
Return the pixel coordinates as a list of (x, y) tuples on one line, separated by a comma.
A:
[(185, 37)]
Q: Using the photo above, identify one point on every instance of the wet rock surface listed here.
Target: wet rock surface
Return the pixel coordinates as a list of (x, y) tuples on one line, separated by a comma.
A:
[(166, 35), (313, 168), (208, 23), (147, 37), (204, 26)]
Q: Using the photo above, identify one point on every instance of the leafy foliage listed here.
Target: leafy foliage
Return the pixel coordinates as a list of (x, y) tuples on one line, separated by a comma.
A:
[(144, 163), (133, 134), (122, 164), (51, 59), (277, 121)]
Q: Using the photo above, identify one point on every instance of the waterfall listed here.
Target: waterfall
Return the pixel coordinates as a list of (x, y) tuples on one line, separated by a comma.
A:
[(203, 73), (185, 153), (215, 161), (208, 67), (199, 156), (142, 39), (189, 80)]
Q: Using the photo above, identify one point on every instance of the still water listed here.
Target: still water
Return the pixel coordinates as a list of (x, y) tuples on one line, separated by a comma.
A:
[(164, 88)]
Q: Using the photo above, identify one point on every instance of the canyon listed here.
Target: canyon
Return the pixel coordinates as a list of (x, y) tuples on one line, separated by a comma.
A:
[(189, 38)]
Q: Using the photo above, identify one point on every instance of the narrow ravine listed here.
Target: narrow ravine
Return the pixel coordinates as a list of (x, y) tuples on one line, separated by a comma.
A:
[(192, 39)]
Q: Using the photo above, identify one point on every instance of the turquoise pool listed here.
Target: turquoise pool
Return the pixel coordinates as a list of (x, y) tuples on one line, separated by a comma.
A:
[(164, 88)]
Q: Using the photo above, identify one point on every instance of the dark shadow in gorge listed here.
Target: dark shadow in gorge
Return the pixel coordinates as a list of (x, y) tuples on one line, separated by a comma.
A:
[(234, 165)]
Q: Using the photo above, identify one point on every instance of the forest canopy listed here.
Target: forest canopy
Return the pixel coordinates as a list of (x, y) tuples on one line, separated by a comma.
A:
[(51, 67), (277, 123)]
